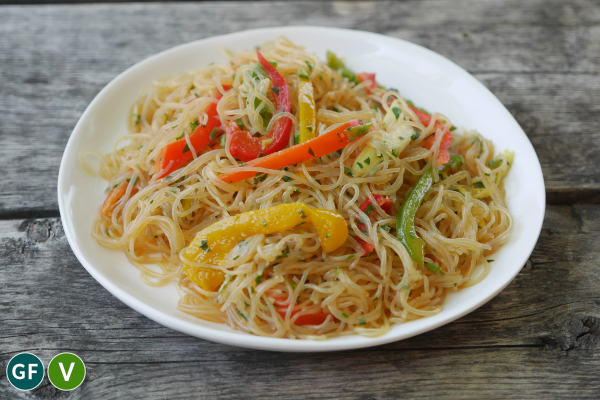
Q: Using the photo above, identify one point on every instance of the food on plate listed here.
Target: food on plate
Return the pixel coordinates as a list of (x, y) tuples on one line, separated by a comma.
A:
[(288, 196)]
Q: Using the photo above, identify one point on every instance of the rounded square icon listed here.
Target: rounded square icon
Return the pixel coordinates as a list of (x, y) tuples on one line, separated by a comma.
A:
[(25, 371)]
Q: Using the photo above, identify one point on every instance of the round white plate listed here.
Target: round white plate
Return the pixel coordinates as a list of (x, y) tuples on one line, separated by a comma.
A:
[(428, 79)]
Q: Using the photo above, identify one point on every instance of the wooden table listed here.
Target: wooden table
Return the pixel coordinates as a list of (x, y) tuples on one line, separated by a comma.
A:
[(539, 338)]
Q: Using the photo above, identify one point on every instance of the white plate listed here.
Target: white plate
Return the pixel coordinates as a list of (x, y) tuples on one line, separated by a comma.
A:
[(430, 80)]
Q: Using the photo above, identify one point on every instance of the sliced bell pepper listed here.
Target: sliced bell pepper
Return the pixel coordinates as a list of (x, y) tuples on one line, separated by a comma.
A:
[(211, 245), (328, 142), (282, 307), (367, 76), (114, 196), (246, 147), (405, 221), (306, 102), (443, 155), (174, 155), (386, 205)]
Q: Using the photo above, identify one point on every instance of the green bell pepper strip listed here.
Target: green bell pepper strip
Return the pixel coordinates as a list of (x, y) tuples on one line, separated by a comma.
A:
[(405, 221)]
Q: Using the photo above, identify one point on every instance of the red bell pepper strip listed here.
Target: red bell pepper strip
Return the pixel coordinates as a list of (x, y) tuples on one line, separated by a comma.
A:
[(444, 154), (367, 76), (307, 319), (322, 145), (174, 155), (114, 196), (386, 205), (246, 147)]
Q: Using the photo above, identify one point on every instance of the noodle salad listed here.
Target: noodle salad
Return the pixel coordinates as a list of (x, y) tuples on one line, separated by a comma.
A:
[(289, 197)]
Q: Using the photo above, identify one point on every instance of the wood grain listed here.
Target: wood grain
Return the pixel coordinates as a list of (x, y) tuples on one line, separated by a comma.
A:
[(541, 58), (539, 338)]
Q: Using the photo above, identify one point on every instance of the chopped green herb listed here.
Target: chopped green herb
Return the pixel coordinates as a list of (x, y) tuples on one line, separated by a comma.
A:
[(495, 163), (335, 109), (273, 63), (213, 133), (285, 252), (396, 112), (490, 261), (259, 279), (311, 152), (310, 67), (434, 268), (415, 135), (194, 125), (301, 223), (348, 171), (186, 148), (359, 164), (350, 256), (297, 138), (344, 315), (362, 321), (310, 128), (302, 74), (235, 258), (260, 178), (241, 314), (223, 142), (368, 160), (264, 223), (240, 123), (327, 236), (287, 179), (375, 298), (275, 89), (302, 214), (455, 283), (478, 185), (204, 245), (151, 201)]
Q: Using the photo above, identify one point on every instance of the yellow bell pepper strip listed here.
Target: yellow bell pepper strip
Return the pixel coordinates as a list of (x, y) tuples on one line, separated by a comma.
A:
[(211, 245), (405, 221), (328, 142), (306, 102)]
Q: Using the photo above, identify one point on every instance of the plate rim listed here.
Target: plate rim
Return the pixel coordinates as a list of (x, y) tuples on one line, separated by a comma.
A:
[(240, 339)]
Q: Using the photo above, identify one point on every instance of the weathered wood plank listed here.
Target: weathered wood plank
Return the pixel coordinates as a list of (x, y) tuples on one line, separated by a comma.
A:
[(539, 338), (541, 58)]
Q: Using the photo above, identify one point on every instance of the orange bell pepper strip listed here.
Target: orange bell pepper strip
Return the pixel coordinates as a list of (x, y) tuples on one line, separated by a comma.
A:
[(328, 142), (175, 155), (246, 147)]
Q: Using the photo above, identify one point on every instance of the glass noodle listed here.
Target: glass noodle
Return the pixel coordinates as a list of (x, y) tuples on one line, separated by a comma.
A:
[(462, 220)]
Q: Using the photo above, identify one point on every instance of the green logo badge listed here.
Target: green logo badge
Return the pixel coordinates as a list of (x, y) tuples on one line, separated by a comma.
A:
[(25, 371), (66, 371)]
